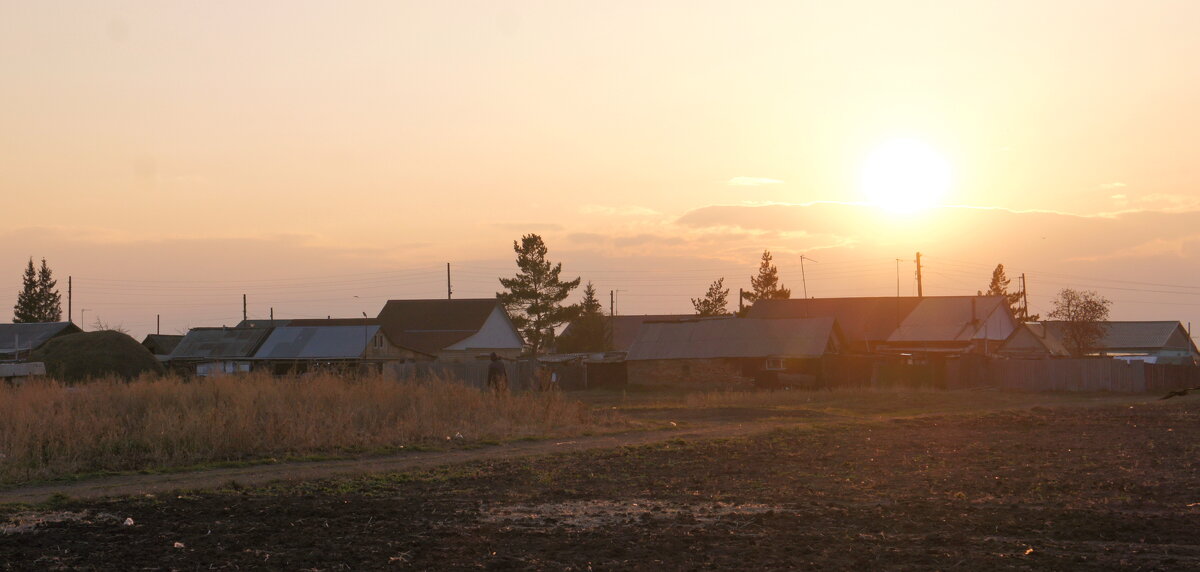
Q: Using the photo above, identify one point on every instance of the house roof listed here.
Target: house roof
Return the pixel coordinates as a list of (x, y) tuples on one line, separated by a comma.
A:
[(429, 326), (1133, 336), (946, 319), (1047, 341), (860, 319), (734, 338), (26, 336), (161, 344), (313, 342), (219, 343), (261, 323), (625, 328)]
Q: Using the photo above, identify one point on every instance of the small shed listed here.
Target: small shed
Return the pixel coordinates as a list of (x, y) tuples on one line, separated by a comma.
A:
[(338, 345)]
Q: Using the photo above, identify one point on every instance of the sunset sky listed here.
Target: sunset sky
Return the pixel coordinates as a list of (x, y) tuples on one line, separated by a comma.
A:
[(323, 157)]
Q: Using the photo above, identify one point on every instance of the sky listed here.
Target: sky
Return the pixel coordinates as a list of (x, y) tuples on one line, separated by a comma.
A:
[(323, 157)]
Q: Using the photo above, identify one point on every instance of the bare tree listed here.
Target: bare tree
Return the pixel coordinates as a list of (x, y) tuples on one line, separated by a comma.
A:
[(1083, 313)]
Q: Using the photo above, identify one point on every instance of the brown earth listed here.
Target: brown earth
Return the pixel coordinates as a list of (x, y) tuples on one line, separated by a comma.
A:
[(1106, 487)]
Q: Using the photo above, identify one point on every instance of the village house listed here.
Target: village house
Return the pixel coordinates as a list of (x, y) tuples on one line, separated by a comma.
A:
[(1164, 342), (451, 330), (730, 349), (215, 351), (331, 344), (922, 326)]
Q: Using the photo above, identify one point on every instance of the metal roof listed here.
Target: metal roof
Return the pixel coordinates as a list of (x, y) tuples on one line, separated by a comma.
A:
[(218, 343), (1135, 336), (429, 326), (161, 344), (313, 342), (861, 319), (946, 319), (30, 336), (734, 338)]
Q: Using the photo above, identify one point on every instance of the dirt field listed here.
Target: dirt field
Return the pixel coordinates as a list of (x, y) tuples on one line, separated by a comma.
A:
[(1103, 487)]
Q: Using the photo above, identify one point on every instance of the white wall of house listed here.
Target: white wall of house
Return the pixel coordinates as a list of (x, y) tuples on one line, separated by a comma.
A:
[(997, 327), (497, 333), (226, 367)]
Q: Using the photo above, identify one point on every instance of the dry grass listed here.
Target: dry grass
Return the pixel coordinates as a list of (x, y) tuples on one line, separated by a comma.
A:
[(49, 430)]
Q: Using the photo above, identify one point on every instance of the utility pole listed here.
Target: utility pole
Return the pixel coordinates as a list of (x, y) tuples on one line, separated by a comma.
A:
[(897, 277), (920, 290), (803, 279), (158, 323), (1024, 299), (70, 316), (741, 300), (612, 302), (448, 291), (243, 307), (272, 314)]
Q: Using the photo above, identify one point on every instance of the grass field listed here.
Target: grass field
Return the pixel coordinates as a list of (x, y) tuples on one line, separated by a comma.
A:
[(1088, 483), (50, 430)]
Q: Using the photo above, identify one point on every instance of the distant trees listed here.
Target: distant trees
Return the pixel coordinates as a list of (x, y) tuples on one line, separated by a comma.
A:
[(715, 302), (590, 331), (534, 296), (766, 285), (1083, 313), (38, 300)]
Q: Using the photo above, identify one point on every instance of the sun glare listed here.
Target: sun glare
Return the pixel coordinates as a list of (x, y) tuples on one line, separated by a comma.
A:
[(905, 175)]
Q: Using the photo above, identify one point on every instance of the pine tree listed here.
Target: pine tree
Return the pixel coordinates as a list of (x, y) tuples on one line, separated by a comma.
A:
[(27, 308), (49, 300), (715, 302), (999, 287), (535, 295), (766, 285), (590, 331)]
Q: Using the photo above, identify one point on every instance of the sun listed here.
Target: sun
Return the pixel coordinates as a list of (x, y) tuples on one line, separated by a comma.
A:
[(904, 176)]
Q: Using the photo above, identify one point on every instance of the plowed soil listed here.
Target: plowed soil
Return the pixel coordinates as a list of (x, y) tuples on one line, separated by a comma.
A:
[(1100, 488)]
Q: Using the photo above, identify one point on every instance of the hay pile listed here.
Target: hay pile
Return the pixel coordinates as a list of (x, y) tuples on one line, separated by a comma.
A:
[(92, 355)]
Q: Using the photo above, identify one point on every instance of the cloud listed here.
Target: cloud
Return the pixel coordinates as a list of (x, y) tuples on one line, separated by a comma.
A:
[(528, 226), (752, 181), (1113, 185), (627, 210)]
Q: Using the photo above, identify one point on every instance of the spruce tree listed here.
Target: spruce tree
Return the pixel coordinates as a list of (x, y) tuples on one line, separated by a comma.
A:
[(766, 285), (999, 287), (715, 301), (28, 309), (534, 296), (49, 300), (590, 331)]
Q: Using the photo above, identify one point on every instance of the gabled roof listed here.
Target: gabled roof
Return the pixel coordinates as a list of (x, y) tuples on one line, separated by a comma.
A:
[(860, 319), (256, 323), (315, 342), (735, 338), (1133, 336), (220, 343), (161, 344), (430, 326), (1034, 338), (27, 336), (946, 319)]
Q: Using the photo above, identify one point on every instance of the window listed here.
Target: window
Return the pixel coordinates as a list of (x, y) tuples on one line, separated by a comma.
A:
[(774, 364)]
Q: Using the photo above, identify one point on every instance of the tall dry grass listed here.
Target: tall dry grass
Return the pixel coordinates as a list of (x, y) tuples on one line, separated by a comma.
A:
[(49, 430)]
